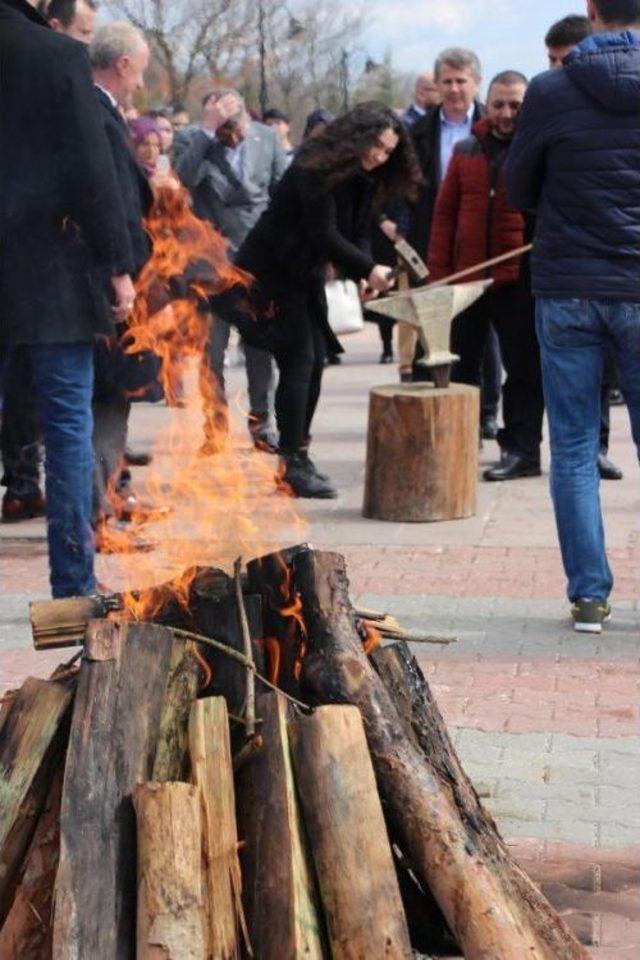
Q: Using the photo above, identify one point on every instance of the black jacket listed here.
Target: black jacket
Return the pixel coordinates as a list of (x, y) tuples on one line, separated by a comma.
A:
[(575, 158), (61, 227), (115, 370), (425, 134), (308, 225), (133, 186)]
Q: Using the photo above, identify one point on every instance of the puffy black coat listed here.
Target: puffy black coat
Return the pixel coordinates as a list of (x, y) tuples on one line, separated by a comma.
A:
[(575, 159)]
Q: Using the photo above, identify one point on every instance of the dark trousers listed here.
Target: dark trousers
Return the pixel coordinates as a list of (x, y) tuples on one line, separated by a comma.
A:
[(511, 311), (110, 421), (300, 349), (491, 377), (20, 434)]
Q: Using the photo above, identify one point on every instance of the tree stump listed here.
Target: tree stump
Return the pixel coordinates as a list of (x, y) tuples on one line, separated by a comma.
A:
[(422, 453)]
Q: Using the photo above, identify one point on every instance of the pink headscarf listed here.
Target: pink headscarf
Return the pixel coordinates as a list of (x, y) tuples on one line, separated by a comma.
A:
[(140, 129)]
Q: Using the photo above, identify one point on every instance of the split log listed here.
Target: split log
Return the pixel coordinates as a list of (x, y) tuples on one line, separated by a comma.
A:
[(491, 906), (422, 453), (172, 751), (28, 929), (171, 913), (32, 740), (270, 577), (112, 747), (348, 837), (279, 891), (212, 772)]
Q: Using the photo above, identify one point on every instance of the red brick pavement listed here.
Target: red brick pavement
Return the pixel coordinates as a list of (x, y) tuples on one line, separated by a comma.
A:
[(451, 571), (585, 698)]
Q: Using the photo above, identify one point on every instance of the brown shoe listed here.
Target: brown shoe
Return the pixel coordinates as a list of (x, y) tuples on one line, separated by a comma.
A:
[(15, 509)]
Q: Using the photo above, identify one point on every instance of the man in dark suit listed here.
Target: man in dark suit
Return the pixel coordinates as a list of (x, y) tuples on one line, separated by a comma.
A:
[(119, 56), (231, 165), (62, 227), (19, 432)]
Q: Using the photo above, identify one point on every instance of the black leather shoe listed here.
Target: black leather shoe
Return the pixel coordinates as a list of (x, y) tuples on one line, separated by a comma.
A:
[(607, 469), (511, 467), (15, 509), (262, 437), (386, 358), (136, 458), (297, 473), (489, 428)]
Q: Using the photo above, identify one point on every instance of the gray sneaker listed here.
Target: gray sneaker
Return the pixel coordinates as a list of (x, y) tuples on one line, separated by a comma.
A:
[(589, 615)]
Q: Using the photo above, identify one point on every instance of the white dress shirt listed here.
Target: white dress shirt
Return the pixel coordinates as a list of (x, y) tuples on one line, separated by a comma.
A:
[(450, 134)]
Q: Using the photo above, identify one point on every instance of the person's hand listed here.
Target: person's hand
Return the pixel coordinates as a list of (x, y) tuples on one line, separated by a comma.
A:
[(125, 295), (365, 291), (390, 229), (218, 112), (380, 278)]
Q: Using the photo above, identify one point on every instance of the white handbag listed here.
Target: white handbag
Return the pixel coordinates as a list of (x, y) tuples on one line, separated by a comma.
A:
[(344, 307)]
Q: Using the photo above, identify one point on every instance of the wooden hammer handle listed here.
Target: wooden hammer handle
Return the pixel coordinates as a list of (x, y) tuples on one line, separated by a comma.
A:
[(480, 266)]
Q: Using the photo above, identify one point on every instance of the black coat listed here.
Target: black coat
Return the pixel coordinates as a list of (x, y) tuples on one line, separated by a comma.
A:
[(133, 186), (61, 227), (115, 370), (308, 225), (425, 134), (575, 158)]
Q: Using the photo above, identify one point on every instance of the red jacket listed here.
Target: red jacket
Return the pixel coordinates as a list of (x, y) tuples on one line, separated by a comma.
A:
[(472, 220)]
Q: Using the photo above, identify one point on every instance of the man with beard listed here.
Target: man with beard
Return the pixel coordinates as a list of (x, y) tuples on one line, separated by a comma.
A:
[(473, 222)]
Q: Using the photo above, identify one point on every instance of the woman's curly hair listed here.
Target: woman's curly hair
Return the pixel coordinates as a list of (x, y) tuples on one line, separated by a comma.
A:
[(337, 152)]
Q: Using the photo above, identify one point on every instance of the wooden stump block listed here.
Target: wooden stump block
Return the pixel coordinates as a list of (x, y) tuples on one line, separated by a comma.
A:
[(422, 453)]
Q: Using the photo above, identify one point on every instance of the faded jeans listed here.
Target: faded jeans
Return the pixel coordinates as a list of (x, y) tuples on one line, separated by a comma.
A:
[(574, 337)]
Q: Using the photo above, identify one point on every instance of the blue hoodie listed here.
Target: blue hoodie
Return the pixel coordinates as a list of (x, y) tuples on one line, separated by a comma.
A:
[(575, 161)]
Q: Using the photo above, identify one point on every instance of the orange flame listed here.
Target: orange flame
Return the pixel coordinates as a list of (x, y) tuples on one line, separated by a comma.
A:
[(223, 494)]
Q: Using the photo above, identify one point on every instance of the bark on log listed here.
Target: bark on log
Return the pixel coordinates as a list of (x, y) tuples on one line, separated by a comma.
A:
[(212, 772), (490, 905), (32, 739), (422, 453), (279, 890), (112, 747), (171, 912), (27, 932), (348, 837)]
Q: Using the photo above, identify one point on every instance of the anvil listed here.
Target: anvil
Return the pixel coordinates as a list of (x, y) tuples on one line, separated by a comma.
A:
[(431, 310)]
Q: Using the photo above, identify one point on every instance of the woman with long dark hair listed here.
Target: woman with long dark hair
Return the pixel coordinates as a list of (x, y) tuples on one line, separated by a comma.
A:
[(321, 214)]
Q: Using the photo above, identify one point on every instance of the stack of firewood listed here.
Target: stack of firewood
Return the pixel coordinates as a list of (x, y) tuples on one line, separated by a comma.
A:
[(249, 773)]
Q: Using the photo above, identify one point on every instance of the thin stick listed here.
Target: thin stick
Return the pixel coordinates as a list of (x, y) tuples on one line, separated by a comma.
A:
[(240, 657), (479, 266), (250, 707)]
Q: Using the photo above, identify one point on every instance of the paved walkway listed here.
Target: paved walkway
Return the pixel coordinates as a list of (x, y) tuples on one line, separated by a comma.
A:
[(546, 721)]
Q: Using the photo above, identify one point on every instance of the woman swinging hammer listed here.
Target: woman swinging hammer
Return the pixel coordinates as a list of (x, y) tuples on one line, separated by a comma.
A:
[(320, 215)]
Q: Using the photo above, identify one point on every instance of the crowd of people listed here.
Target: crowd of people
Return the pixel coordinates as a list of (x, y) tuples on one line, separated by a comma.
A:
[(554, 163)]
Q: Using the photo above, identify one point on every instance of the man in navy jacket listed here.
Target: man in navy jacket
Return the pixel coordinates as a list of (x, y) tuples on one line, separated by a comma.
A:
[(575, 160)]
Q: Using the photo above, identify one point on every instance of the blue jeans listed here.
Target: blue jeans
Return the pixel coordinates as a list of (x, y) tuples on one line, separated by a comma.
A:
[(574, 337), (63, 384)]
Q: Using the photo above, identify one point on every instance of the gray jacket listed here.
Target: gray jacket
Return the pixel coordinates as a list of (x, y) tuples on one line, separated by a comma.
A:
[(231, 204)]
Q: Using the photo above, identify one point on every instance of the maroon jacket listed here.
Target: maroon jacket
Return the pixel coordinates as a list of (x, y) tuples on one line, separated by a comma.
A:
[(472, 220)]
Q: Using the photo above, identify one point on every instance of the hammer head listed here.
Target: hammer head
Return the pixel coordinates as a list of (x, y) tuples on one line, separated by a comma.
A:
[(412, 260)]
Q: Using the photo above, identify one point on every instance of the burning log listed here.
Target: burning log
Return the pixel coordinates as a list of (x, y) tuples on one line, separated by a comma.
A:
[(27, 931), (490, 905), (112, 747), (32, 734), (279, 892), (347, 835), (212, 772), (172, 750), (171, 915)]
